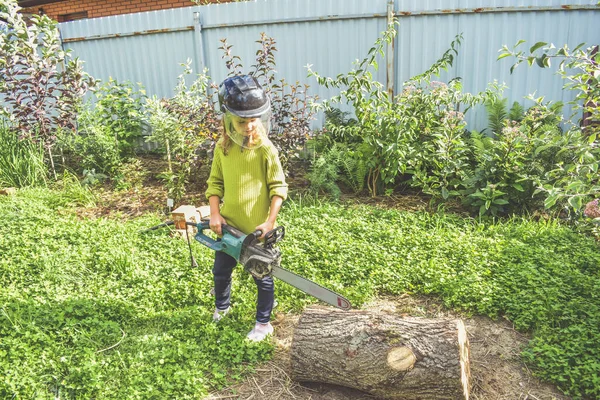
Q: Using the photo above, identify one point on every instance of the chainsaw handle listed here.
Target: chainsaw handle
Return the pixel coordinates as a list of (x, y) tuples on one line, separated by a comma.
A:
[(204, 238), (230, 243)]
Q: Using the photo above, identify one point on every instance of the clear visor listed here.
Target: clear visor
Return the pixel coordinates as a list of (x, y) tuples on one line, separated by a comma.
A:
[(250, 133)]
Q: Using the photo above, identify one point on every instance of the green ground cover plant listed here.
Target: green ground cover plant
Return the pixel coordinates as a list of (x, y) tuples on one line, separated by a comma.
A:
[(91, 308)]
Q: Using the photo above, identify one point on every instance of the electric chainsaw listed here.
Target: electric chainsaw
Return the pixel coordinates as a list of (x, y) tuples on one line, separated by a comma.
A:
[(258, 258), (263, 259)]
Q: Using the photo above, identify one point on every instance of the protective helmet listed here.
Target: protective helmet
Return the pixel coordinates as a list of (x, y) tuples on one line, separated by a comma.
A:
[(247, 110), (243, 96)]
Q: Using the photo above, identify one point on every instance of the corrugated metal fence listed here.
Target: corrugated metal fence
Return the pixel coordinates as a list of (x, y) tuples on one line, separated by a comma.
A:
[(330, 34)]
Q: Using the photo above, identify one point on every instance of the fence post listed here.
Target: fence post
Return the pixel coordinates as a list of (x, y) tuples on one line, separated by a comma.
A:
[(389, 54), (198, 39)]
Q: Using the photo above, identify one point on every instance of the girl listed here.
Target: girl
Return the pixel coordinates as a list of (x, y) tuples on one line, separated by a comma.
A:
[(247, 177)]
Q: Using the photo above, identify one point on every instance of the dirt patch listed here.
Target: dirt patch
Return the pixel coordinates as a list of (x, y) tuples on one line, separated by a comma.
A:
[(497, 371), (144, 192), (147, 193)]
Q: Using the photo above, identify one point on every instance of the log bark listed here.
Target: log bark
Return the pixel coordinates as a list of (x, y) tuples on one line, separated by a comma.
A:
[(387, 356)]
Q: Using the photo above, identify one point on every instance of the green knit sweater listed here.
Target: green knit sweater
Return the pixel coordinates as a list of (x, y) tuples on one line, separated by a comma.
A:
[(246, 180)]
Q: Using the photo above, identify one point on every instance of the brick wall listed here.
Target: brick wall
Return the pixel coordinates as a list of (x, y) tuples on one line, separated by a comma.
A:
[(77, 9)]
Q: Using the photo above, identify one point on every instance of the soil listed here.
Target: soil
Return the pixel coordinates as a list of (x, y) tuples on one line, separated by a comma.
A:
[(497, 372)]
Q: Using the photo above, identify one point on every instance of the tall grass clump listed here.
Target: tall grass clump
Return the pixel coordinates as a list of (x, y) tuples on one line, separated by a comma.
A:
[(21, 161)]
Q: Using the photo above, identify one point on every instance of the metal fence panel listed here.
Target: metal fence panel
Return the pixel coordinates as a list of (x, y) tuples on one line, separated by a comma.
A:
[(321, 33), (428, 27), (330, 34)]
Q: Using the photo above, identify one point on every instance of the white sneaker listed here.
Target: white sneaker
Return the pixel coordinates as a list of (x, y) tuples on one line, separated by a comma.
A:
[(218, 314), (260, 332)]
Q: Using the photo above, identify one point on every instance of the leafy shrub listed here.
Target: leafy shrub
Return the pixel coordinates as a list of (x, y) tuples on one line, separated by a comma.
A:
[(183, 126), (291, 113), (498, 115), (436, 153), (94, 147), (509, 166), (337, 161), (572, 182), (523, 163), (41, 96), (324, 173), (418, 133), (108, 129), (120, 107)]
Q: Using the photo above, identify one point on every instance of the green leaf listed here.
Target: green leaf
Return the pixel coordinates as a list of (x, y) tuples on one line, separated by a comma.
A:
[(574, 186), (547, 61), (482, 210), (543, 61), (537, 46), (478, 194), (576, 202), (445, 193), (550, 201)]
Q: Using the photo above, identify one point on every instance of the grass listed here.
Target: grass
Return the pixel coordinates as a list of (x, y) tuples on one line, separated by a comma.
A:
[(21, 161), (92, 308)]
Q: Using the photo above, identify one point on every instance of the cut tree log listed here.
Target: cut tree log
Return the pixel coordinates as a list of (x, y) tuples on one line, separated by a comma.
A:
[(384, 355)]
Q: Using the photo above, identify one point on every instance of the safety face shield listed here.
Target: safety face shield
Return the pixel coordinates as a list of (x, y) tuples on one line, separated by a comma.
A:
[(250, 133)]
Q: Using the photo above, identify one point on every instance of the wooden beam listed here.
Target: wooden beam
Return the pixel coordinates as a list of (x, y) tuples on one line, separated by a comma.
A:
[(33, 3)]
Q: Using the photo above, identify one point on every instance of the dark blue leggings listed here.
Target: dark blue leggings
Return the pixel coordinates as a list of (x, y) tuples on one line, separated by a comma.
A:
[(222, 270)]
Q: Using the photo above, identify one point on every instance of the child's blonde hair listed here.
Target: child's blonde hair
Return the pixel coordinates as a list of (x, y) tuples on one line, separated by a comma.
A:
[(254, 137)]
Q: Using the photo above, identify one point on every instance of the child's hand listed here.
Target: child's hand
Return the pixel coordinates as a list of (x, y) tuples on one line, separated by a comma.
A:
[(265, 228), (216, 222)]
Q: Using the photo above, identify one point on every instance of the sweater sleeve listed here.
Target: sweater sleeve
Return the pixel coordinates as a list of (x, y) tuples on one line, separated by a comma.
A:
[(215, 180), (275, 176)]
